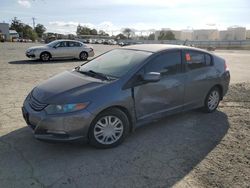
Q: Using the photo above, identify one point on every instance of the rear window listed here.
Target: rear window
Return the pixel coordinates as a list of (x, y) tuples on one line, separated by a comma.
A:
[(196, 60)]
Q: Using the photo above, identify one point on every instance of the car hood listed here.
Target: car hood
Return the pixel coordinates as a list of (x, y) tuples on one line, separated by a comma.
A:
[(37, 47), (65, 88)]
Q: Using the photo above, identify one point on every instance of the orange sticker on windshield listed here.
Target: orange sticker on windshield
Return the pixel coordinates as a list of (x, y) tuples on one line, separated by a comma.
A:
[(188, 58)]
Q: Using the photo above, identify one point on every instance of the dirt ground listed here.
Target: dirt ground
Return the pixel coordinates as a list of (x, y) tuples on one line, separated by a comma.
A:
[(191, 149)]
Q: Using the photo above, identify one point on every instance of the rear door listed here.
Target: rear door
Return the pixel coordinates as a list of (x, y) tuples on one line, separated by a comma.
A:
[(165, 96), (74, 49), (60, 50), (200, 77)]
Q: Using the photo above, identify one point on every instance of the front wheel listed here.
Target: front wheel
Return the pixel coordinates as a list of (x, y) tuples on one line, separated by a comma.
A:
[(45, 56), (83, 56), (212, 100), (109, 129)]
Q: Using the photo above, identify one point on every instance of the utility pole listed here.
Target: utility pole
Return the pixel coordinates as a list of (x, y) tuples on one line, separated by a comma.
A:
[(33, 19)]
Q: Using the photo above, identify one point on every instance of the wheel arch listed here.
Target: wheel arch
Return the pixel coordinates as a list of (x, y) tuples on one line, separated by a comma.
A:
[(83, 51), (220, 90), (124, 110), (46, 52)]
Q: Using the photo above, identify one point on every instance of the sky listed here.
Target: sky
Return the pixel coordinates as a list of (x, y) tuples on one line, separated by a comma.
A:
[(63, 16)]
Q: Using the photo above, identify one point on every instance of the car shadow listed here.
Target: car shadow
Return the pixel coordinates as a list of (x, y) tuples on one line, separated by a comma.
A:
[(34, 62), (156, 155)]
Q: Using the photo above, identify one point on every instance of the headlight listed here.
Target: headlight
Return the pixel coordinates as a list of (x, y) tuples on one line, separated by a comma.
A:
[(65, 108), (31, 51)]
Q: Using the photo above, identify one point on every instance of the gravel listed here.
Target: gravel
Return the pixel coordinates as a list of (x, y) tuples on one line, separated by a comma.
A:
[(190, 149)]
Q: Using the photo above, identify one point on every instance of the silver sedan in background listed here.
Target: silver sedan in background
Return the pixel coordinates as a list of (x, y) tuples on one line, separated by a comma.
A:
[(61, 49)]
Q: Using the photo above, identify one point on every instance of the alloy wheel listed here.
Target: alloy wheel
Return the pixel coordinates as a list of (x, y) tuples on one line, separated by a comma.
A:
[(213, 100), (45, 56), (108, 130), (83, 56)]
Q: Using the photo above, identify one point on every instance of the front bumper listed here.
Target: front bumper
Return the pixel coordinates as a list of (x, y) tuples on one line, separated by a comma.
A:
[(30, 55), (59, 127)]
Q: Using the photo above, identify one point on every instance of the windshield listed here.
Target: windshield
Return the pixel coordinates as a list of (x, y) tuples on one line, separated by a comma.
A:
[(116, 63), (53, 43)]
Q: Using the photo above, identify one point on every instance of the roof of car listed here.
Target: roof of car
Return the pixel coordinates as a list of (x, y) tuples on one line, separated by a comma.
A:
[(68, 40), (159, 47)]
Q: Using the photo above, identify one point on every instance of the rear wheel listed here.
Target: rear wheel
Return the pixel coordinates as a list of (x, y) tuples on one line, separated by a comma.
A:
[(45, 56), (212, 100), (83, 56), (109, 129)]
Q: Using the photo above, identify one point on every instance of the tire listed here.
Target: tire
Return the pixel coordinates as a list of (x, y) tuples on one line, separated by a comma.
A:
[(212, 100), (45, 56), (83, 56), (103, 135)]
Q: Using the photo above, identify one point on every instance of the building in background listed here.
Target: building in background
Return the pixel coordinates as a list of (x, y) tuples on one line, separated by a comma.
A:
[(205, 34), (233, 33), (4, 31), (248, 34), (13, 34), (179, 34), (186, 35)]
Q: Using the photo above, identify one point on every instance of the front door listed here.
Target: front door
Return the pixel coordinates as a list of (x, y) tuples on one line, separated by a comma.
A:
[(165, 96), (60, 50)]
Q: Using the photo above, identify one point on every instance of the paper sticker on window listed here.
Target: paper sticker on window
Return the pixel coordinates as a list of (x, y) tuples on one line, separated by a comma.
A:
[(188, 58)]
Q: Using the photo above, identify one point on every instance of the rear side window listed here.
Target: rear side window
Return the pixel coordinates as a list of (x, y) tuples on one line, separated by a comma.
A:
[(168, 63), (74, 44), (208, 60), (196, 60), (77, 44)]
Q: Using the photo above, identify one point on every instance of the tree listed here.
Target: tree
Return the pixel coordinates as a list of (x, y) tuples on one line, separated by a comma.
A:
[(169, 35), (93, 32), (151, 36), (78, 29), (82, 30), (120, 36), (103, 33), (40, 29), (24, 30), (128, 32), (29, 33), (16, 25)]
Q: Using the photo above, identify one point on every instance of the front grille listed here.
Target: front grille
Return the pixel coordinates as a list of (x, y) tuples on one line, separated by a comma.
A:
[(35, 104)]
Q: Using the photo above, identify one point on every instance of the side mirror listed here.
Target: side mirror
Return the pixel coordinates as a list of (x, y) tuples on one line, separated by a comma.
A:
[(152, 77), (55, 47)]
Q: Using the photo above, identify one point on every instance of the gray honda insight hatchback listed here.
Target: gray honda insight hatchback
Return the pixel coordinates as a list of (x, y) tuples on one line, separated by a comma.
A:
[(108, 97)]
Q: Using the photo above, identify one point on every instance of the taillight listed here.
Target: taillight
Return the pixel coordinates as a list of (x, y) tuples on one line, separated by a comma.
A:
[(225, 67)]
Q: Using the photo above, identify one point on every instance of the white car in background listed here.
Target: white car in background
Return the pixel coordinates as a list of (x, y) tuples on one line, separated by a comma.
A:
[(61, 49)]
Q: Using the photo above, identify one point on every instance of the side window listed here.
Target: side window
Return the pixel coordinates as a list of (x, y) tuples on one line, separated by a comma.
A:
[(195, 60), (71, 44), (208, 60), (168, 63), (74, 44), (61, 44), (77, 44)]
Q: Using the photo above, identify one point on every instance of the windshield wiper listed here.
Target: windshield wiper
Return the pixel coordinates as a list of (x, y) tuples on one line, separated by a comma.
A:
[(94, 74)]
